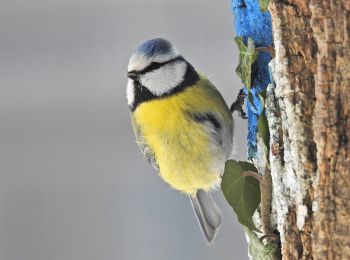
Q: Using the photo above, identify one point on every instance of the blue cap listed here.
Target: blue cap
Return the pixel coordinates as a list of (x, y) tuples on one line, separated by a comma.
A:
[(154, 46)]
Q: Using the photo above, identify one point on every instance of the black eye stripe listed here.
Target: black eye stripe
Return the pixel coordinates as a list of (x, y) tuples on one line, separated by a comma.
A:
[(153, 66), (157, 65)]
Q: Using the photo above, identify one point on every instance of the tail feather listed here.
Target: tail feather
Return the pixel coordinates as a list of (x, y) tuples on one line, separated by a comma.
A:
[(208, 214)]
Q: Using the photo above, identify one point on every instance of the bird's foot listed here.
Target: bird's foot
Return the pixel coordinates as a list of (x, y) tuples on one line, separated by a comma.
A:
[(238, 104)]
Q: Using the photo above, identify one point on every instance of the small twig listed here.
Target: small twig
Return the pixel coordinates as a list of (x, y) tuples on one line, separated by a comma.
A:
[(268, 49), (238, 104), (266, 199), (254, 175)]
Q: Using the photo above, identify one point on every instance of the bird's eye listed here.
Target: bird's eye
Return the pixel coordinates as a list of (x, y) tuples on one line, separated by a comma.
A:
[(151, 66), (154, 65)]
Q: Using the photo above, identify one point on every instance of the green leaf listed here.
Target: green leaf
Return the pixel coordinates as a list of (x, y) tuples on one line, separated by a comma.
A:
[(251, 99), (263, 5), (263, 128), (247, 56), (247, 166), (262, 95), (241, 192), (259, 251)]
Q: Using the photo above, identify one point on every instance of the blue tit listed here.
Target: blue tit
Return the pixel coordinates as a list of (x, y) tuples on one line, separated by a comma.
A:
[(182, 125)]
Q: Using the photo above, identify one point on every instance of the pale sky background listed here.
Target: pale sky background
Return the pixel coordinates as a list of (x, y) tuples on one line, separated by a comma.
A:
[(73, 184)]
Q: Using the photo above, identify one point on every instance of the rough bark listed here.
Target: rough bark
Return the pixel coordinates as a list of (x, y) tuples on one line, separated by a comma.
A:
[(308, 111)]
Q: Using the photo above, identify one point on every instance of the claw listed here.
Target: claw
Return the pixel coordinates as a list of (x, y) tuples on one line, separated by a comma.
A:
[(238, 104)]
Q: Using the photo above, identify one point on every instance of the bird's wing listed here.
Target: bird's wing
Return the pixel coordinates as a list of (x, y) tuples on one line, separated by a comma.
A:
[(144, 147), (215, 116), (212, 124)]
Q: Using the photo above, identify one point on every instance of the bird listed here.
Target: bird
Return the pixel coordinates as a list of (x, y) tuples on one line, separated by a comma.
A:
[(182, 125)]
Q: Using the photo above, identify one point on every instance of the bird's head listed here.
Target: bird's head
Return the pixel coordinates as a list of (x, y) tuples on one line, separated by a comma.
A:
[(157, 66)]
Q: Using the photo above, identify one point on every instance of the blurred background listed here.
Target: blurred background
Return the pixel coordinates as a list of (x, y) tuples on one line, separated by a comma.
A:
[(73, 184)]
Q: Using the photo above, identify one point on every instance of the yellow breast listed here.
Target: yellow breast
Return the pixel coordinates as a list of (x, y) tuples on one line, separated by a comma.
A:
[(181, 146)]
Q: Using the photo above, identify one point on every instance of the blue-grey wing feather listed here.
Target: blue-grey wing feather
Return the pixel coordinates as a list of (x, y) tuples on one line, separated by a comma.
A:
[(221, 132)]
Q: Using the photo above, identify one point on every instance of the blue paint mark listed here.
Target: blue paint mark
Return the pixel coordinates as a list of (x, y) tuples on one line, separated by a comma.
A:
[(250, 22), (154, 46)]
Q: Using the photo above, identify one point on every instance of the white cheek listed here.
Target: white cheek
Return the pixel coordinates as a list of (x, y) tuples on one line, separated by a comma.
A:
[(130, 92), (165, 78)]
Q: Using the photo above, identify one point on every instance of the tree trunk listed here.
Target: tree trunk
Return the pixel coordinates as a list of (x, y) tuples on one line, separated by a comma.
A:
[(308, 111)]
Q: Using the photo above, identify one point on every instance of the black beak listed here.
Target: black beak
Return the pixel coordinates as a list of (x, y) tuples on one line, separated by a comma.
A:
[(132, 75)]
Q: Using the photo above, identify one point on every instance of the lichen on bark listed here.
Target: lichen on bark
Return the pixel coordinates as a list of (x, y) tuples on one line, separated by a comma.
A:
[(308, 113)]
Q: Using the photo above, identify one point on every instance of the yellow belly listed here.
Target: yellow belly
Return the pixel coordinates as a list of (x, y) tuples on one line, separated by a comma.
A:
[(181, 146)]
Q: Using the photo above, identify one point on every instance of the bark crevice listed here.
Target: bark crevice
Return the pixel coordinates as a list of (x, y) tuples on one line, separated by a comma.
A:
[(308, 112)]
